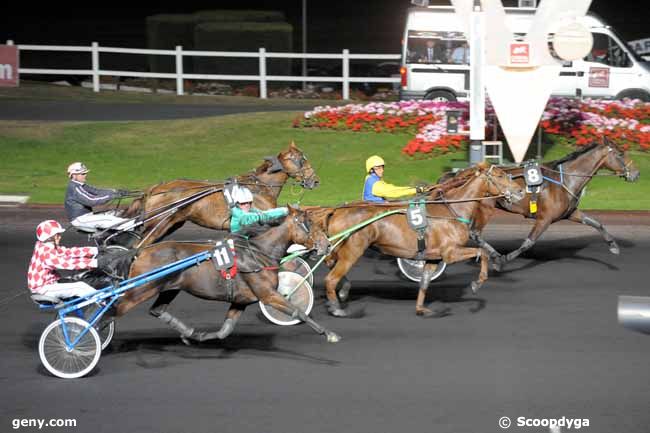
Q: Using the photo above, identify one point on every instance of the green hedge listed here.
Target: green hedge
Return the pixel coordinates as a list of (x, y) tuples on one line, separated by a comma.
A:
[(164, 32), (238, 16), (242, 36)]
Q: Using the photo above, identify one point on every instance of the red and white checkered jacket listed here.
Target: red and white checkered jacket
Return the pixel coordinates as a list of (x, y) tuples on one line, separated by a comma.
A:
[(47, 259)]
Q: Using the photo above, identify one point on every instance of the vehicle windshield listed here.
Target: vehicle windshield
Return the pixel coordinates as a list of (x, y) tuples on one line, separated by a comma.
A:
[(630, 50), (437, 47)]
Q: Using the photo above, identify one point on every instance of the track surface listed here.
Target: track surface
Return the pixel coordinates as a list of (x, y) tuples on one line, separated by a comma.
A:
[(88, 111), (545, 344)]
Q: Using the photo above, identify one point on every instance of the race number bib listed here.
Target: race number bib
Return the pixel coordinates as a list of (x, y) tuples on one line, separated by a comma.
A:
[(533, 174), (417, 217), (228, 190), (222, 256)]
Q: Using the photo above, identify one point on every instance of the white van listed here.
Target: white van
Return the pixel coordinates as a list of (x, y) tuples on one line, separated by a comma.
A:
[(435, 59)]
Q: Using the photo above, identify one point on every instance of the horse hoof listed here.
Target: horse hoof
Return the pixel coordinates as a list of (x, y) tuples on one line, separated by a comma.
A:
[(332, 337), (423, 312), (186, 341), (497, 265), (344, 293), (475, 286), (614, 249), (338, 312)]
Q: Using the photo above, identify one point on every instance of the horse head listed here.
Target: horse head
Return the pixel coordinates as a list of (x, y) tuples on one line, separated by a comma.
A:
[(619, 162), (308, 229), (500, 183), (294, 162)]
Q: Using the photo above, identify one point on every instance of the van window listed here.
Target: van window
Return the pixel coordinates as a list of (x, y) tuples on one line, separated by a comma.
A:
[(437, 47), (608, 52)]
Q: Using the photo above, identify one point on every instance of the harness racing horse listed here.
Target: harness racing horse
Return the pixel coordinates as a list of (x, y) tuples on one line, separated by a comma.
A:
[(446, 234), (558, 199), (167, 206), (255, 279)]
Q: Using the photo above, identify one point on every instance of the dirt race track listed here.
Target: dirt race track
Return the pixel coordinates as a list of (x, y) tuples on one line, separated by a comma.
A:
[(544, 343)]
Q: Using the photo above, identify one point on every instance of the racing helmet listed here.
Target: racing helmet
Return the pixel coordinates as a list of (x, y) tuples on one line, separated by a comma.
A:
[(77, 168), (47, 229), (242, 195), (373, 161)]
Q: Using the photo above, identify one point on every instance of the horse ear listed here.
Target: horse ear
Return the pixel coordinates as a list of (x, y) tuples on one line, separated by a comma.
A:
[(292, 145)]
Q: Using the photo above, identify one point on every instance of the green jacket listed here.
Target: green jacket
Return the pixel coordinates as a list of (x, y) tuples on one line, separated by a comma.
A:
[(240, 219)]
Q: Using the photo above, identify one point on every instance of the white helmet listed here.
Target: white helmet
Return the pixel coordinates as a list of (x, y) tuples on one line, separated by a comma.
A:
[(242, 195), (77, 168)]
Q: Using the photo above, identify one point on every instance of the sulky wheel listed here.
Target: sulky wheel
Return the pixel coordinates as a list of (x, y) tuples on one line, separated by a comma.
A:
[(302, 297), (64, 363), (299, 266), (412, 269)]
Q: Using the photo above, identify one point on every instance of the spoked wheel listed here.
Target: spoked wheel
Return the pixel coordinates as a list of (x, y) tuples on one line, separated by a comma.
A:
[(122, 239), (302, 297), (64, 363), (412, 269), (299, 266)]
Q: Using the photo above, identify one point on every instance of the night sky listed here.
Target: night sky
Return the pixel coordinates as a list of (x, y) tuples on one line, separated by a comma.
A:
[(372, 26)]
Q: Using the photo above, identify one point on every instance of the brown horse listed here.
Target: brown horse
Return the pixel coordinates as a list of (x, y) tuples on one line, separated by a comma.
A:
[(564, 183), (256, 279), (446, 234), (167, 206)]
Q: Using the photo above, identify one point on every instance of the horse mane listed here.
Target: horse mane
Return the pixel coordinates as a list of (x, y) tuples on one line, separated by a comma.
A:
[(572, 155), (264, 167)]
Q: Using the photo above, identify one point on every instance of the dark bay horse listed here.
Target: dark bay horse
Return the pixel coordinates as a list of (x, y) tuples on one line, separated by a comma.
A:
[(256, 279), (565, 180), (210, 209), (445, 236)]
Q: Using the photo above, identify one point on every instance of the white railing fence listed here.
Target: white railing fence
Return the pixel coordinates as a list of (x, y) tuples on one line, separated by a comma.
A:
[(96, 72)]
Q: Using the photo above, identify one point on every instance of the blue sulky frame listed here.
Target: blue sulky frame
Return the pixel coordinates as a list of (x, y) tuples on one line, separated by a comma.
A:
[(109, 295)]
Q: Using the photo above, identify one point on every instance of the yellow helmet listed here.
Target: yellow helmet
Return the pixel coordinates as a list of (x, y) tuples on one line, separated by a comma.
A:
[(373, 161)]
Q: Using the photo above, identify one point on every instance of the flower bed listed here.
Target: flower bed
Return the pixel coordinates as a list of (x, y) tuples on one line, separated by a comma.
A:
[(626, 122)]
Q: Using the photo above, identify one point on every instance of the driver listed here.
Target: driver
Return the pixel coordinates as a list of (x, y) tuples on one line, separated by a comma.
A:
[(376, 190), (243, 214), (81, 197), (49, 256)]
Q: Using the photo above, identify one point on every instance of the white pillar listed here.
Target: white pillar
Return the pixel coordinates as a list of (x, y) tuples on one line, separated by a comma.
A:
[(95, 55), (263, 73), (477, 89), (346, 74), (179, 70), (10, 42)]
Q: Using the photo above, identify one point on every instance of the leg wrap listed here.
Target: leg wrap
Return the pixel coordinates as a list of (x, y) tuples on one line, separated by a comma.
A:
[(176, 324)]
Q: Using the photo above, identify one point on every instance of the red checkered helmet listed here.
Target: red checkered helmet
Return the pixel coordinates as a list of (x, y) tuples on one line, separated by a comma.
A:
[(47, 229)]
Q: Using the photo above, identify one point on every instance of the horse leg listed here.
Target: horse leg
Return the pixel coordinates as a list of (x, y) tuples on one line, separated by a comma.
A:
[(540, 227), (454, 254), (347, 257), (420, 309), (476, 237), (159, 310), (277, 301), (580, 217), (232, 316)]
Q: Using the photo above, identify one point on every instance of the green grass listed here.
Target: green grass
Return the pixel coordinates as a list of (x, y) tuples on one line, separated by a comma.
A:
[(139, 154)]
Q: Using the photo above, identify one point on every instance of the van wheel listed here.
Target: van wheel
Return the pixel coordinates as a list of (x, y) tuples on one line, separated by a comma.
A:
[(634, 94), (440, 95)]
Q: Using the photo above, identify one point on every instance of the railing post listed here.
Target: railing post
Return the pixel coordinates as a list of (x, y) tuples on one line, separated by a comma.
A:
[(95, 55), (263, 73), (346, 74), (179, 70)]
